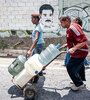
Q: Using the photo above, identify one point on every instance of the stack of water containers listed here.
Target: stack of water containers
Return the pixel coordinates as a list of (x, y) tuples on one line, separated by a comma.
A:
[(33, 65)]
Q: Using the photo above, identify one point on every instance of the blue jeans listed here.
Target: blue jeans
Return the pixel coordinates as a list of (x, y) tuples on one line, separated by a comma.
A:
[(38, 48)]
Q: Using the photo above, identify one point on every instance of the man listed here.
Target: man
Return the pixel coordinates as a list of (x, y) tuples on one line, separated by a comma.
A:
[(77, 44), (46, 11), (77, 20)]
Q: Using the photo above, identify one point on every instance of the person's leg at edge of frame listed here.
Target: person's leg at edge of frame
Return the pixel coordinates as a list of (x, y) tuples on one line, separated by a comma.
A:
[(86, 62), (73, 69)]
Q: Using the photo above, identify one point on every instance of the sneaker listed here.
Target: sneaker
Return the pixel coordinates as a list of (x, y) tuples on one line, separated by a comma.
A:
[(75, 88)]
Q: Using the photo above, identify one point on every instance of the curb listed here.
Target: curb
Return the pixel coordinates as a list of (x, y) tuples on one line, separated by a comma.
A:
[(12, 53)]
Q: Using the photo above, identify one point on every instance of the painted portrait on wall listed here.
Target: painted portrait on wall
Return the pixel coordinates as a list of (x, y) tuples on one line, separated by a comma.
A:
[(48, 18), (46, 11)]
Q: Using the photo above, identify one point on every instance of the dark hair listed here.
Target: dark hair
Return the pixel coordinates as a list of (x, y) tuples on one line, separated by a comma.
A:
[(65, 17), (36, 17), (46, 7), (79, 21)]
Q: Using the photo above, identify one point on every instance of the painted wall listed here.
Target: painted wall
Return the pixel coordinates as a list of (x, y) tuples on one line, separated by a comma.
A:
[(80, 8), (15, 15)]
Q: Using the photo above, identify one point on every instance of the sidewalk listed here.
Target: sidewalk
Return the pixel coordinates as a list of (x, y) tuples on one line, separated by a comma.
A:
[(12, 53)]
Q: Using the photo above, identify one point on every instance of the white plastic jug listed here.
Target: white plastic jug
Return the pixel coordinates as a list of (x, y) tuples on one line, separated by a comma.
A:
[(31, 68), (33, 65), (22, 78)]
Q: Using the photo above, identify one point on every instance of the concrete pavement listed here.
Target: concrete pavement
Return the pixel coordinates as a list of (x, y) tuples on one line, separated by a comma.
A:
[(54, 85)]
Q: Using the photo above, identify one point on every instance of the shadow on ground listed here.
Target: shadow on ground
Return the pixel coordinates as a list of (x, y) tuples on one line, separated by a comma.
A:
[(42, 94), (15, 92), (46, 93), (83, 94)]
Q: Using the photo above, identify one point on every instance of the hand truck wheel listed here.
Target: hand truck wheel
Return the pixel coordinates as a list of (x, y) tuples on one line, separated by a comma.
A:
[(29, 92)]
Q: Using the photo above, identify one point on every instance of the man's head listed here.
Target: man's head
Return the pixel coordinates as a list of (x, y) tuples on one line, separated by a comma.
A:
[(47, 13), (65, 21)]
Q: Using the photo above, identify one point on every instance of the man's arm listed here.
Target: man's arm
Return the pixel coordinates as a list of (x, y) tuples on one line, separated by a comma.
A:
[(78, 46)]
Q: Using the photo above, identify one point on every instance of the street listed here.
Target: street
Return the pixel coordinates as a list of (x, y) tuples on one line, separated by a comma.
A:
[(54, 85)]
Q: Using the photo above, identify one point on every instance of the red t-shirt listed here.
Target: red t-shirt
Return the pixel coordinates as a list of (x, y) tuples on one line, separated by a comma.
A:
[(74, 36)]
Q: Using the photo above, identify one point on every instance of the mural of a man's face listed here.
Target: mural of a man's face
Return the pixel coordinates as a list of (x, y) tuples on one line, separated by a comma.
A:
[(47, 15), (47, 18)]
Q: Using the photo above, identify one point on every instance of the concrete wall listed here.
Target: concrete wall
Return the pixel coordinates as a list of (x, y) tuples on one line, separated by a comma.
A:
[(16, 15)]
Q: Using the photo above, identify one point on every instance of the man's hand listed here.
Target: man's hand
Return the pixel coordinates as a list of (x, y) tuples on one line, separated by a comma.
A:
[(29, 53), (71, 51)]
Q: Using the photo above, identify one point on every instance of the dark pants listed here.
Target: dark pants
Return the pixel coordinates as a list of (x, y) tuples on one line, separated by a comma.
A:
[(76, 70)]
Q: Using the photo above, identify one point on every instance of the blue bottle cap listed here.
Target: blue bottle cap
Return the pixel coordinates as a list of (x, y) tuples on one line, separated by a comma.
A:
[(36, 72), (58, 45)]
